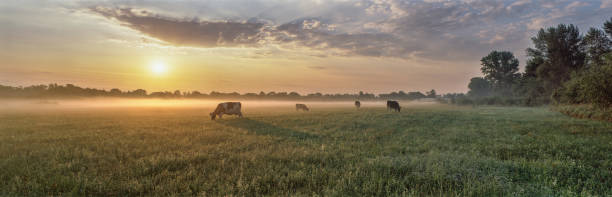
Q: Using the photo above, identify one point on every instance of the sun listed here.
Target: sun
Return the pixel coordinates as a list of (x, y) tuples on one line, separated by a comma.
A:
[(158, 67)]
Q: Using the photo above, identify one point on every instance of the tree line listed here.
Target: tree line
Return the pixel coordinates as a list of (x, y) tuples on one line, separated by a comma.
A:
[(563, 67), (73, 91)]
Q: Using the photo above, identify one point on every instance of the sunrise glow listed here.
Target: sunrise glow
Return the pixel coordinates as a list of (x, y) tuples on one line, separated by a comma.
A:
[(158, 68), (339, 47)]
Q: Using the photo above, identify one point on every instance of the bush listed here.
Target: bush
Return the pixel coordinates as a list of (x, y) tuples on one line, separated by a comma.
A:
[(597, 86), (593, 85), (464, 101)]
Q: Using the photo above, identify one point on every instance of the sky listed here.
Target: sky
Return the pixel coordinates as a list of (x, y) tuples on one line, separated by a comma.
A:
[(333, 46)]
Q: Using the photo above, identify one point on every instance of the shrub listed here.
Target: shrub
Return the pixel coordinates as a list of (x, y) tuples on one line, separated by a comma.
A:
[(597, 86), (593, 85)]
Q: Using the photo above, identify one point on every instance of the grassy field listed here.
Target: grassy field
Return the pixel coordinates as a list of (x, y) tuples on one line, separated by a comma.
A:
[(424, 150)]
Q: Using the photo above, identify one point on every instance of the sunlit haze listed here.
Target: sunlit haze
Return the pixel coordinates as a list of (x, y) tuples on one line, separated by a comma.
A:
[(159, 68)]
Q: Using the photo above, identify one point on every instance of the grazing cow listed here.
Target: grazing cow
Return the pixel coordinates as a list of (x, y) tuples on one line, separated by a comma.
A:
[(393, 105), (301, 106), (357, 104), (230, 108)]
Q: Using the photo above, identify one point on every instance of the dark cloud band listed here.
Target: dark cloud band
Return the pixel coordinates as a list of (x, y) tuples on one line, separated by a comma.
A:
[(311, 33), (186, 32)]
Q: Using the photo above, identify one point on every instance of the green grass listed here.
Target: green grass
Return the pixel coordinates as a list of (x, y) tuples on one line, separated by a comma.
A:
[(424, 150)]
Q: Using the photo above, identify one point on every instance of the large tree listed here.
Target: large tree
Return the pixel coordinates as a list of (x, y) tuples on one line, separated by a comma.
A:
[(500, 69), (561, 50), (596, 44), (608, 27), (535, 59)]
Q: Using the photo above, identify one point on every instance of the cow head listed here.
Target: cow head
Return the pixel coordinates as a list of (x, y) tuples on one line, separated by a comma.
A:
[(213, 115)]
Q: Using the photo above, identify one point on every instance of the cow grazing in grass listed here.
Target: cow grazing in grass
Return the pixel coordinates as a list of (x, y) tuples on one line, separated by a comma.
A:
[(393, 105), (357, 104), (302, 107), (230, 108)]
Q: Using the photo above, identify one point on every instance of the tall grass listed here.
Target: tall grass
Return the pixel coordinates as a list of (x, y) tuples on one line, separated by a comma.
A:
[(424, 150), (585, 111)]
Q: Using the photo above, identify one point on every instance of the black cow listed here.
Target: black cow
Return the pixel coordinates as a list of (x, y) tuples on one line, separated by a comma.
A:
[(302, 107), (357, 104), (230, 108), (393, 105)]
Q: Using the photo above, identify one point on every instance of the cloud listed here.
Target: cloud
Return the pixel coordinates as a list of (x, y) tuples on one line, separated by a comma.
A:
[(316, 34), (605, 4), (574, 5), (311, 33), (183, 32), (436, 29)]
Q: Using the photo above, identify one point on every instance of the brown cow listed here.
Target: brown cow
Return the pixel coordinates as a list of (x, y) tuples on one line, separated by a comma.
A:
[(230, 108), (393, 105), (302, 107)]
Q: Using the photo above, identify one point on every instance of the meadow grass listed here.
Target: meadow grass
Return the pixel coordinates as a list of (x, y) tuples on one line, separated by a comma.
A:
[(426, 150)]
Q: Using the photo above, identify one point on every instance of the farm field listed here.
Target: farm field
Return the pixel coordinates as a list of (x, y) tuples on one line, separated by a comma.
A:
[(427, 149)]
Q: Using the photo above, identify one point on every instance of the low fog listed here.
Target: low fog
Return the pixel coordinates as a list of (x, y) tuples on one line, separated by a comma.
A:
[(114, 103)]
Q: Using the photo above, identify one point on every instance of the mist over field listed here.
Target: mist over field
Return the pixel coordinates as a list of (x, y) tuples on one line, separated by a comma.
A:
[(204, 104)]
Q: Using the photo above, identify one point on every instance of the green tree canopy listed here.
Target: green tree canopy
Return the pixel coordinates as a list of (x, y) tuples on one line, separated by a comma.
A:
[(596, 44), (608, 27), (500, 69), (535, 59), (561, 51)]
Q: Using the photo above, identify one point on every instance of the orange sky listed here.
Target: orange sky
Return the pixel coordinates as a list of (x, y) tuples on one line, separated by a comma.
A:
[(307, 46)]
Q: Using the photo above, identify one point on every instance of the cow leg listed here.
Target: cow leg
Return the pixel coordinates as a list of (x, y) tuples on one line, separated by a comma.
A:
[(220, 116), (240, 114)]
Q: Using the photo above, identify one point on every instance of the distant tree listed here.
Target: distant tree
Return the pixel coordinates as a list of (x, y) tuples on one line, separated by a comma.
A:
[(281, 94), (500, 69), (431, 94), (250, 95), (562, 53), (479, 87), (452, 97), (415, 95), (139, 93), (596, 44), (294, 94), (315, 95), (115, 92)]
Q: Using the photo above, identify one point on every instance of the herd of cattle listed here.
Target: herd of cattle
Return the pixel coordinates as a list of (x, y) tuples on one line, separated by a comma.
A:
[(234, 108)]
